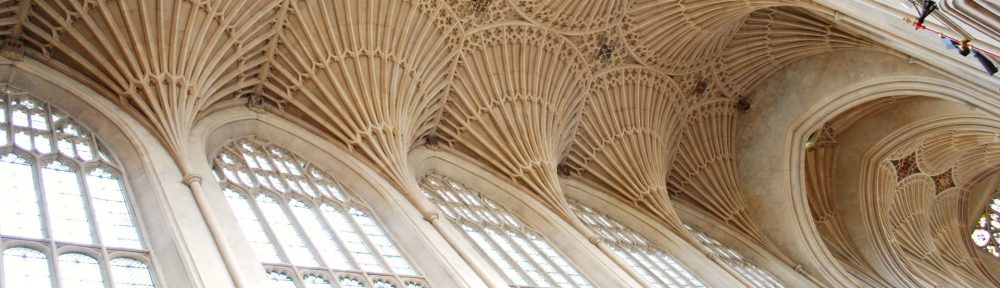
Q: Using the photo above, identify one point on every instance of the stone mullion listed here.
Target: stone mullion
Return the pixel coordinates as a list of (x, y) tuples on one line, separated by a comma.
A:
[(538, 267)]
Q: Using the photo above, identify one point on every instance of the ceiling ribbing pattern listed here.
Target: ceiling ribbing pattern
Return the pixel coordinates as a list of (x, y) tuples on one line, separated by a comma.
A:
[(770, 39), (168, 60), (518, 91), (372, 74), (682, 36), (704, 169), (632, 120)]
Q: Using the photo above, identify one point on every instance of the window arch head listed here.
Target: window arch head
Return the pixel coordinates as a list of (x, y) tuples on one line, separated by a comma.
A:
[(298, 219), (652, 263), (62, 186), (986, 233), (750, 271), (523, 257)]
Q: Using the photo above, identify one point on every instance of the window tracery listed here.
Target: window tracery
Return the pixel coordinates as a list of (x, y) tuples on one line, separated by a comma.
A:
[(302, 226), (986, 234), (751, 272), (65, 220), (523, 257), (651, 262)]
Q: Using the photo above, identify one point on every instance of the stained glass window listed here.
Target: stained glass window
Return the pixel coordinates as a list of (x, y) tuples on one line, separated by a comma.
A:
[(520, 254), (63, 192), (751, 272), (652, 263), (986, 233), (302, 225)]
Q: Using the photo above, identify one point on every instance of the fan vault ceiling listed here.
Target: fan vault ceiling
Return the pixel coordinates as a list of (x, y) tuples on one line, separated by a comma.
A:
[(640, 97)]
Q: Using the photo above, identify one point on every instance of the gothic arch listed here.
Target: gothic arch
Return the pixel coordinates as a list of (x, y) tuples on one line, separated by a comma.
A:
[(430, 253), (779, 185), (714, 274), (845, 99), (602, 271), (746, 246), (874, 190), (150, 174)]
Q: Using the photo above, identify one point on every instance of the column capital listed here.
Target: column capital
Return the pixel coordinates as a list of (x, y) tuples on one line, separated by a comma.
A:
[(190, 179)]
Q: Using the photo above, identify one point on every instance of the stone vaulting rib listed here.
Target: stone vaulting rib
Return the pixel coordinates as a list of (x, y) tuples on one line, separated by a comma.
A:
[(704, 169), (573, 16), (169, 60), (772, 38), (682, 36), (820, 168), (370, 73), (632, 120), (925, 226), (519, 91)]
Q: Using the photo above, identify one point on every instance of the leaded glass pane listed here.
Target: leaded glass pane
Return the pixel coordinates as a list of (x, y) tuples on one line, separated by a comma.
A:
[(25, 268), (382, 243), (312, 281), (351, 283), (114, 220), (350, 237), (495, 255), (295, 248), (986, 232), (524, 258), (280, 280), (78, 270), (20, 214), (383, 284), (129, 273), (251, 227), (306, 214), (559, 261), (515, 256), (52, 201), (748, 270), (651, 262), (327, 246), (67, 210)]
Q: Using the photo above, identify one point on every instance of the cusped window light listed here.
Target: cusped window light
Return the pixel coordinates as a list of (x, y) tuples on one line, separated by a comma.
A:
[(523, 257), (652, 263), (986, 232), (298, 218), (63, 192)]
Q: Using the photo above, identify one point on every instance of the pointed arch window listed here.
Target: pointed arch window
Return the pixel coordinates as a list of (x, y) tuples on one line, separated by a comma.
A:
[(753, 273), (520, 254), (65, 217), (652, 263), (302, 225), (986, 233)]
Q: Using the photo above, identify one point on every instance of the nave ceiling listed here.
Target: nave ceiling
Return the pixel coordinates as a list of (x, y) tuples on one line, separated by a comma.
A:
[(624, 93)]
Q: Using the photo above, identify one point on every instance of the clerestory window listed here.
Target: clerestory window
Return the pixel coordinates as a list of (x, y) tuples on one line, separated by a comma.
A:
[(305, 228), (65, 218), (987, 230), (750, 271), (523, 257), (652, 263)]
